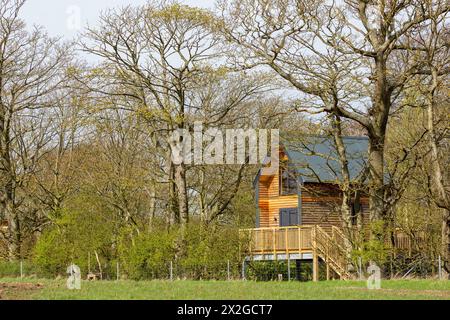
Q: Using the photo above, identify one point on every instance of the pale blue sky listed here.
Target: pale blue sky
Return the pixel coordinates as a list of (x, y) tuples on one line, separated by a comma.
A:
[(57, 16)]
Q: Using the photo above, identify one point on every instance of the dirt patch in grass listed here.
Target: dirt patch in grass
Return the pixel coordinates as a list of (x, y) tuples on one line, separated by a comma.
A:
[(445, 294), (18, 291)]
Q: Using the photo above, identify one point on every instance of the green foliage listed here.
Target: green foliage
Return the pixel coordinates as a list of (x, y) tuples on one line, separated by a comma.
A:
[(52, 253), (375, 248), (199, 252), (12, 269), (208, 250), (268, 270), (87, 228), (147, 255), (9, 269), (179, 13), (75, 238)]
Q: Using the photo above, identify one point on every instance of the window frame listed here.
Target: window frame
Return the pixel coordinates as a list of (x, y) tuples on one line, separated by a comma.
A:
[(291, 212), (291, 179)]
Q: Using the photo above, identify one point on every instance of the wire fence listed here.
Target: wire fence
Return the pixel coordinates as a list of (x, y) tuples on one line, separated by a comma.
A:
[(172, 271), (18, 269), (227, 270), (281, 270)]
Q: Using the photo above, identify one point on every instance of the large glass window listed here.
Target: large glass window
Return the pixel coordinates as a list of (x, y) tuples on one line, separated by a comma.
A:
[(288, 180)]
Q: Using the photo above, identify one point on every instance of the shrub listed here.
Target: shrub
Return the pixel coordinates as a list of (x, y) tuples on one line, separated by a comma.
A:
[(199, 252), (149, 255), (74, 239)]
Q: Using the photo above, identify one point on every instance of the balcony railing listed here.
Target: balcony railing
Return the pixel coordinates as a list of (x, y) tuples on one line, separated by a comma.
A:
[(293, 239), (299, 239)]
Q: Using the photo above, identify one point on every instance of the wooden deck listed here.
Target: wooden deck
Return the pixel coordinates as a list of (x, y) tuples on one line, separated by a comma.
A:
[(279, 240), (305, 242), (309, 242), (299, 239)]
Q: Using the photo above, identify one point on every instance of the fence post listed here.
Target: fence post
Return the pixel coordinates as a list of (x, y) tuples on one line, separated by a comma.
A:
[(440, 267), (243, 269), (360, 268), (228, 270), (289, 267), (171, 271), (117, 273), (21, 269)]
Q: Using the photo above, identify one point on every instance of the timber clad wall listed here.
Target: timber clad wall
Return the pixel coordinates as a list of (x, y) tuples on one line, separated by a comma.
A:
[(263, 204), (318, 206), (321, 211), (270, 202)]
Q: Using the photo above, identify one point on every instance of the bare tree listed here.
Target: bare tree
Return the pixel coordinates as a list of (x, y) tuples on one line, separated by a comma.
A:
[(154, 53), (31, 70), (342, 56), (430, 44), (162, 61), (57, 175)]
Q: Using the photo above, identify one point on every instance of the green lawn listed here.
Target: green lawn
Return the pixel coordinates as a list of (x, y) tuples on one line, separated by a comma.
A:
[(198, 290)]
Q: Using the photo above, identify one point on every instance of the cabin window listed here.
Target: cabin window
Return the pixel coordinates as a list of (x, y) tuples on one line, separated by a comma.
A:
[(288, 217), (288, 180)]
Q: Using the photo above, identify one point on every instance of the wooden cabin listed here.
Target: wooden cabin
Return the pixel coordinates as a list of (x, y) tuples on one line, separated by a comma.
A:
[(297, 205), (305, 190)]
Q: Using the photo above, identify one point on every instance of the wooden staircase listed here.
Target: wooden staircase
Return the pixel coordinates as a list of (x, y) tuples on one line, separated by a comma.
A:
[(302, 242), (333, 250), (306, 242)]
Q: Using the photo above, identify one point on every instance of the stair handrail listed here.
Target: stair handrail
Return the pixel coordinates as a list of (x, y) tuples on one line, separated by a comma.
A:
[(327, 248), (330, 238), (340, 238)]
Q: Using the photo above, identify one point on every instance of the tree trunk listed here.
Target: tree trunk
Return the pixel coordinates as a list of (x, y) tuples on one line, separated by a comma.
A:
[(180, 182), (377, 131), (446, 241), (14, 235), (173, 215), (152, 209), (439, 194), (376, 187), (346, 205), (349, 231), (7, 196), (346, 214)]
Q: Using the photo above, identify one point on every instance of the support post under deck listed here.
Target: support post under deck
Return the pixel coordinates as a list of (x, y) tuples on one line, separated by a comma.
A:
[(315, 267), (328, 271), (289, 267)]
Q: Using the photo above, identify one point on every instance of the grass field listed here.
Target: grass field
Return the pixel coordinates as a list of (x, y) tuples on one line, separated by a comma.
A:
[(201, 290)]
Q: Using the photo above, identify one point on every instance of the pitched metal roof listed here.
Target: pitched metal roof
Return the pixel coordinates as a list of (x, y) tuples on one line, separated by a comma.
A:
[(316, 159)]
